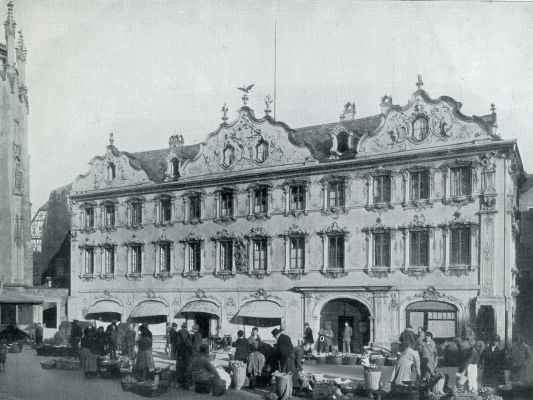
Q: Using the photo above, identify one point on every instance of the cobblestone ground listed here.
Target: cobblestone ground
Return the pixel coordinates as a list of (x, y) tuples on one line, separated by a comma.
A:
[(26, 380)]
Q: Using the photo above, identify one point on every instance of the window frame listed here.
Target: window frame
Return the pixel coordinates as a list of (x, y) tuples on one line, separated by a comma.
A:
[(224, 257), (385, 237), (299, 190), (227, 203), (463, 255), (136, 261), (195, 256), (297, 256), (380, 195), (339, 187), (417, 262), (88, 217), (88, 251), (259, 260), (462, 187), (164, 257), (109, 260), (195, 204), (423, 183), (109, 218), (340, 242), (136, 217), (264, 200), (165, 210)]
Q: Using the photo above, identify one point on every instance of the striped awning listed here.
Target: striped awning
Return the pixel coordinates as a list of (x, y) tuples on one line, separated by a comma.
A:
[(261, 313), (151, 312), (104, 310), (200, 306)]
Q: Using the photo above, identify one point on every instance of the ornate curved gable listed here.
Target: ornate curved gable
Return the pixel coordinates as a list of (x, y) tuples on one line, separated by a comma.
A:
[(113, 169), (422, 124), (247, 143)]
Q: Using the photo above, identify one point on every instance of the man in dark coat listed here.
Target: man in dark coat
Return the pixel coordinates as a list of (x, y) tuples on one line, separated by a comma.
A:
[(173, 339), (493, 362), (196, 339), (285, 354), (408, 337), (183, 357), (39, 334), (112, 338), (308, 335), (75, 336)]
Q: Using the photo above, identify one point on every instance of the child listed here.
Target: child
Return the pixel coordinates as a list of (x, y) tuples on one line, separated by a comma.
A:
[(3, 355)]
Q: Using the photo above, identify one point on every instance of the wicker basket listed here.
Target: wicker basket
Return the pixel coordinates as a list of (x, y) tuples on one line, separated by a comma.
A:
[(51, 364), (334, 360)]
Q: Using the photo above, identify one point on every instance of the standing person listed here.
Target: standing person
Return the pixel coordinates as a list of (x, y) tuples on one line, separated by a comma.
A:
[(328, 333), (428, 356), (521, 359), (407, 358), (39, 334), (173, 339), (242, 348), (100, 342), (129, 342), (87, 358), (167, 338), (196, 339), (492, 360), (469, 367), (112, 338), (254, 336), (284, 351), (420, 337), (299, 352), (3, 355), (256, 363), (183, 357), (75, 336), (346, 338), (408, 337), (147, 330), (203, 373), (145, 361), (322, 342), (308, 335)]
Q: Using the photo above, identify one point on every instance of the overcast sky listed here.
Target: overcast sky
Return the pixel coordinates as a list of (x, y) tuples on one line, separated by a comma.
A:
[(148, 69)]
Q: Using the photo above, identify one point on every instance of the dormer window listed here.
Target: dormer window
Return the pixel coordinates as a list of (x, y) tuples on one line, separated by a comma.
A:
[(111, 171), (420, 129), (343, 142), (175, 165)]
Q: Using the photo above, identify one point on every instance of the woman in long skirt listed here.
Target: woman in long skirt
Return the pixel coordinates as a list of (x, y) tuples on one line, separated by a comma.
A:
[(145, 361), (87, 358), (408, 358)]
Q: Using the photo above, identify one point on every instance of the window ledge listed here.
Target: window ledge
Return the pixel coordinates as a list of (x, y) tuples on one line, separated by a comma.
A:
[(259, 274), (334, 273), (194, 221), (108, 228), (380, 206), (224, 275), (88, 230), (87, 277), (192, 275), (225, 219), (416, 271), (295, 213), (335, 210), (378, 272), (107, 277), (163, 275), (457, 270), (295, 273), (258, 216), (136, 276), (417, 203), (459, 199), (134, 226), (164, 223)]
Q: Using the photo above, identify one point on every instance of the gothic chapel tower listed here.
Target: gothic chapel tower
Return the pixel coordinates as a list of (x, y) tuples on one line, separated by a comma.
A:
[(15, 218)]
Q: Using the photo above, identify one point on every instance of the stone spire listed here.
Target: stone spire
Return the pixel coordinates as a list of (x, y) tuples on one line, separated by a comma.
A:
[(10, 28), (21, 58)]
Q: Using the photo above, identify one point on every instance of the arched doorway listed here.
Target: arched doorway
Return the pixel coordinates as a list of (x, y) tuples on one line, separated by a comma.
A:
[(337, 312)]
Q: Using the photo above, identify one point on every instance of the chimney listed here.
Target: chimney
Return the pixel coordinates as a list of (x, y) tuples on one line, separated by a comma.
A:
[(21, 59), (386, 104), (10, 26)]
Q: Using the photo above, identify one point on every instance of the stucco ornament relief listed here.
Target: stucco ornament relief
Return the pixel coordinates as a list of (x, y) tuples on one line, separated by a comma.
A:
[(246, 143), (443, 124)]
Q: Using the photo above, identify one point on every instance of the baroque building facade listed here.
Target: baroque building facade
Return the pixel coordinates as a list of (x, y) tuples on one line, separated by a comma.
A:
[(403, 217)]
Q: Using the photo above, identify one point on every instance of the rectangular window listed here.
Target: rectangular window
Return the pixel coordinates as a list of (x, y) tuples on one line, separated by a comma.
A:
[(195, 256), (136, 214), (382, 189), (460, 246), (419, 185), (226, 255), (260, 254), (418, 250), (136, 259), (8, 313), (195, 204), (89, 217), (226, 204), (460, 181), (297, 252), (261, 201), (165, 210), (88, 261), (382, 249), (336, 251), (164, 257), (109, 211), (336, 194), (25, 314), (297, 197), (109, 260)]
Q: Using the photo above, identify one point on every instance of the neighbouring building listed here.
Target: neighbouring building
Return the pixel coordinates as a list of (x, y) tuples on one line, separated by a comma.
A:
[(403, 217), (19, 302)]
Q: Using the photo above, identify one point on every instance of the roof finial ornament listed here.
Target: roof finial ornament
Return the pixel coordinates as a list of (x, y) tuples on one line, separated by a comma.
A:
[(419, 83), (493, 108), (246, 90), (268, 102), (21, 49), (111, 140), (224, 113), (10, 22), (341, 117)]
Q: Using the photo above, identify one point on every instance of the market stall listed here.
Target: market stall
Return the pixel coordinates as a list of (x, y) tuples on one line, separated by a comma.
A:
[(204, 313), (105, 311), (149, 312), (261, 313)]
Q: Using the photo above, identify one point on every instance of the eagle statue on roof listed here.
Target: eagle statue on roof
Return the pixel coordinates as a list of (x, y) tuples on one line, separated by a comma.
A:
[(246, 89)]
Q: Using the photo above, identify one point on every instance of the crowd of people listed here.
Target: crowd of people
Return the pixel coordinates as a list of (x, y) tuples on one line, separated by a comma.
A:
[(418, 359)]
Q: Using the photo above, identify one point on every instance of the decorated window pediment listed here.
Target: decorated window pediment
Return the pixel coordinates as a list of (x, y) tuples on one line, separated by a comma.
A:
[(114, 169), (424, 123), (246, 143)]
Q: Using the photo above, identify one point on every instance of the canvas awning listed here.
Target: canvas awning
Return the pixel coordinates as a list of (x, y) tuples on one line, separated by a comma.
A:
[(149, 312), (104, 310), (17, 298), (261, 313), (200, 306)]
